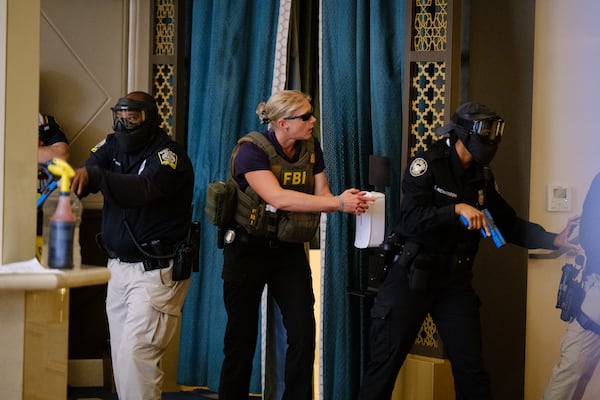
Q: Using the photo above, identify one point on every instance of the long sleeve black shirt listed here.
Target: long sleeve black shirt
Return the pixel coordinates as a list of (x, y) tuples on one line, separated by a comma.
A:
[(434, 183)]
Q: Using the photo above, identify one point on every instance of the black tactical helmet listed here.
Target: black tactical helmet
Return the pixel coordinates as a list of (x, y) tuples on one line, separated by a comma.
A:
[(478, 127)]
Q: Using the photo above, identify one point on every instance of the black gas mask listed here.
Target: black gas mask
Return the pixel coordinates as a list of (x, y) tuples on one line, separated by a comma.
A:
[(134, 122), (479, 128)]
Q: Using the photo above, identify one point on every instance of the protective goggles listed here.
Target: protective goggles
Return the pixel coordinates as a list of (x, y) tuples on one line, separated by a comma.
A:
[(128, 114), (490, 128)]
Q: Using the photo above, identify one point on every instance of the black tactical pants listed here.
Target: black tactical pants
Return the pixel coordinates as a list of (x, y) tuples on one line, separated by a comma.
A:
[(249, 264), (397, 316)]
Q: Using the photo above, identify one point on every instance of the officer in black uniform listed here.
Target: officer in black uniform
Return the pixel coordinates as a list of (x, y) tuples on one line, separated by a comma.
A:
[(433, 274), (147, 182)]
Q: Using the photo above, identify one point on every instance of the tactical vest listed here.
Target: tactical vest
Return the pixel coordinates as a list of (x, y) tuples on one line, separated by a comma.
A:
[(262, 220)]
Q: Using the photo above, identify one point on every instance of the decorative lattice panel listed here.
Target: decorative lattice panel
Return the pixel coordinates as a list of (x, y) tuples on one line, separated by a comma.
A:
[(164, 28), (162, 87), (427, 103), (428, 96), (428, 335), (164, 68), (430, 25)]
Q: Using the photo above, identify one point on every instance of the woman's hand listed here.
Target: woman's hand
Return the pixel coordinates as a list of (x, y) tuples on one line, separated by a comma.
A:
[(354, 201)]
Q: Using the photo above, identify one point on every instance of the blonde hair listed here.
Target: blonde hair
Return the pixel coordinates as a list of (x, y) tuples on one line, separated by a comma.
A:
[(280, 105)]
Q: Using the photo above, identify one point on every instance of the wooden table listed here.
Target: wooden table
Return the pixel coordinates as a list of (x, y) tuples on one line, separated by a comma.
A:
[(34, 310)]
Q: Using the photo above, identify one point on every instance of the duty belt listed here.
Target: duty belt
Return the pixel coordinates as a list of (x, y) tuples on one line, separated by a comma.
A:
[(150, 264), (127, 259), (587, 323)]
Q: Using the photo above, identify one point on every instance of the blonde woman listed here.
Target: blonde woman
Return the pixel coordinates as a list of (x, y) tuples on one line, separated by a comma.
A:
[(281, 191)]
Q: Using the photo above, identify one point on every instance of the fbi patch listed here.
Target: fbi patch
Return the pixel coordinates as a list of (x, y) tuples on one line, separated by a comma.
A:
[(168, 157), (418, 167)]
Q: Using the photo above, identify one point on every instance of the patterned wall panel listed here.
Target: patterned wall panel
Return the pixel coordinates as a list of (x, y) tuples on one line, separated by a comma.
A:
[(164, 61), (164, 28), (430, 25), (429, 35), (429, 84), (162, 89)]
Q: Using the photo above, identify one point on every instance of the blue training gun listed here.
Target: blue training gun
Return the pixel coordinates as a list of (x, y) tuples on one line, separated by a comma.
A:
[(494, 231)]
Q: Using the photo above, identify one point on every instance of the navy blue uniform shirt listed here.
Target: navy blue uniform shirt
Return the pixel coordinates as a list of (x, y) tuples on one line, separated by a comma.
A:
[(151, 188)]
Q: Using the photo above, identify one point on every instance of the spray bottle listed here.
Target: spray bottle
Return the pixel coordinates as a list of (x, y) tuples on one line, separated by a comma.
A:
[(62, 222)]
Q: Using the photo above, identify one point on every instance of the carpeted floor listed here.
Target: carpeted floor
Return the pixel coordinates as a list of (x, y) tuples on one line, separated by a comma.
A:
[(99, 393)]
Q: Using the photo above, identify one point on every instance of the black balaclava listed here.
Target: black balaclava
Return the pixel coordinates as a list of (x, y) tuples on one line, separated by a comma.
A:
[(132, 137)]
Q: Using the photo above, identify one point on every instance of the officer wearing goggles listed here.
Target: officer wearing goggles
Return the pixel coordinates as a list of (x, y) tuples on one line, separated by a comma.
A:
[(479, 128), (147, 183), (134, 122), (433, 273)]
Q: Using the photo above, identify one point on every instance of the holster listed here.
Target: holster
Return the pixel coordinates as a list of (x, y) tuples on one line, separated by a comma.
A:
[(183, 262), (570, 293), (186, 257), (390, 252), (157, 249)]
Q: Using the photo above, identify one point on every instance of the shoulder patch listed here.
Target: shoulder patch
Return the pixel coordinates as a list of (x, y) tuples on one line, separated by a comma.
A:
[(96, 147), (418, 167), (168, 157)]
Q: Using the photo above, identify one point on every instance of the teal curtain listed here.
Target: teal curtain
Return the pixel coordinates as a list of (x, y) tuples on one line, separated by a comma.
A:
[(301, 74), (231, 55), (232, 45), (361, 114)]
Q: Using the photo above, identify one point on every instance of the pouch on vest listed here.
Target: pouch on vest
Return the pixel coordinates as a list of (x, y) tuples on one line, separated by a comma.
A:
[(220, 202), (297, 227), (292, 227)]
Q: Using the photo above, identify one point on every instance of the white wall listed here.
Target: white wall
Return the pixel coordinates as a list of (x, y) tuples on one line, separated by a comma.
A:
[(565, 143)]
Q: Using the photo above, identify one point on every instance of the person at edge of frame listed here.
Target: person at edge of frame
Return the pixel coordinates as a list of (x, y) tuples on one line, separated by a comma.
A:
[(52, 141), (580, 344), (433, 273), (281, 171)]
